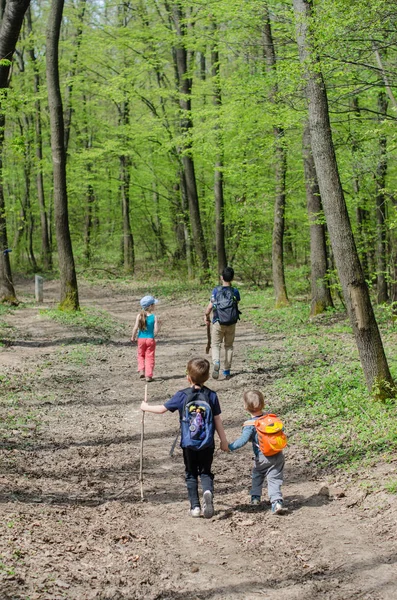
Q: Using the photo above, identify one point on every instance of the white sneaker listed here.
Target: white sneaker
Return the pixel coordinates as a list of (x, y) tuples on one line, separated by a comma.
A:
[(195, 512), (278, 508), (208, 507)]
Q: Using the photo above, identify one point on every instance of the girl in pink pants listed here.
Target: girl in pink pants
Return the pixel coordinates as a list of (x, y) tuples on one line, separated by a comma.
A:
[(144, 331)]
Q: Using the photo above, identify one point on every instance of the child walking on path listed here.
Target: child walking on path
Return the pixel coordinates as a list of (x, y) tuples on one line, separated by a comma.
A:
[(225, 314), (145, 329), (271, 467), (200, 417)]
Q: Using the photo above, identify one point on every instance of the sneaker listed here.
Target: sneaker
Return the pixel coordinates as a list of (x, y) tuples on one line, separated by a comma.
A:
[(278, 508), (226, 374), (208, 507), (141, 374), (215, 371), (149, 379), (255, 500), (195, 512)]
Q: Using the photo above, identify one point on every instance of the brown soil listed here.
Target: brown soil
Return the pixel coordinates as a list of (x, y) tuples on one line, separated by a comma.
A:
[(73, 523)]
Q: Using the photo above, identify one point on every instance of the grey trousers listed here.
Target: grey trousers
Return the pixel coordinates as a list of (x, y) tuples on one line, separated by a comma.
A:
[(272, 468)]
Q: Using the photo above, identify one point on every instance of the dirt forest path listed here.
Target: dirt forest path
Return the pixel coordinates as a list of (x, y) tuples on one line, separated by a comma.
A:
[(72, 522)]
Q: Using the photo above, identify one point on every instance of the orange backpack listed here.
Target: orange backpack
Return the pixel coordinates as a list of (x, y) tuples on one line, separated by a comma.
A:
[(271, 437)]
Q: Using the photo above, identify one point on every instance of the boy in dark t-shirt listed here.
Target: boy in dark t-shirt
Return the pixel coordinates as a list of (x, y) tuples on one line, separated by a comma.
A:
[(197, 462), (222, 333)]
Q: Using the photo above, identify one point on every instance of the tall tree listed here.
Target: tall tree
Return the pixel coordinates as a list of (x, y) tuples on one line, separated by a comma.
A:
[(11, 23), (280, 288), (184, 83), (320, 292), (46, 254), (69, 298), (218, 177), (380, 201), (355, 291)]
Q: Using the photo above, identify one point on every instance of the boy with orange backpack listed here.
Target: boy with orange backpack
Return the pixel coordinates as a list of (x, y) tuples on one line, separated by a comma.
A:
[(265, 431)]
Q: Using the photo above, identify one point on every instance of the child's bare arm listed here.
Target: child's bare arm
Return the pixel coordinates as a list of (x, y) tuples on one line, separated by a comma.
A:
[(221, 432), (158, 409), (208, 310), (156, 325), (135, 330)]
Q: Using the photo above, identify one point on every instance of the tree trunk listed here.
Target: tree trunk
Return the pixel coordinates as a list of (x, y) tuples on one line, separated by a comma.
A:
[(186, 230), (355, 291), (90, 200), (393, 287), (381, 261), (128, 240), (362, 215), (186, 124), (178, 223), (72, 73), (69, 299), (46, 255), (218, 176), (11, 23), (321, 295), (280, 288)]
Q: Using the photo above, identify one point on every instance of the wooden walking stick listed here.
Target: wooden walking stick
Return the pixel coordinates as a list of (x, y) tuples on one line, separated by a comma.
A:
[(142, 439), (208, 338)]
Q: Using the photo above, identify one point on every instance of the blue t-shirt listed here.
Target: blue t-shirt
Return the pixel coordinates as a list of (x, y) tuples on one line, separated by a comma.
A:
[(178, 400), (149, 331), (213, 300)]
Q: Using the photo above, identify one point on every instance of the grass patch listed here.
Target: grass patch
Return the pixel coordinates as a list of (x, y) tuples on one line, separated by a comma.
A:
[(94, 321), (391, 486), (320, 387), (15, 418)]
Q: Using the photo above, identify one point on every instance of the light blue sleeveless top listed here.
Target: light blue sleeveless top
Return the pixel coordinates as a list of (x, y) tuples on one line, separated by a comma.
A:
[(149, 331)]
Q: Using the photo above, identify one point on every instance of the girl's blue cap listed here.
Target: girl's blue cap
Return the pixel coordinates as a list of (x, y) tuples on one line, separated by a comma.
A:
[(148, 301)]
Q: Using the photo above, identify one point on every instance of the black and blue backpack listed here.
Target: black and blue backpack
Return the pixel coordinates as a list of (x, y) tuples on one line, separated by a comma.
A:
[(197, 422), (226, 305)]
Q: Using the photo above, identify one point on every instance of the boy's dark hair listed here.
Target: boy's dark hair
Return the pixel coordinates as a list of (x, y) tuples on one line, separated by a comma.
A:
[(198, 370), (253, 400), (228, 274)]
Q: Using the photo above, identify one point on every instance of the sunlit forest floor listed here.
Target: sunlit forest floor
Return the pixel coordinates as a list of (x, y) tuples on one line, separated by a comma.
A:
[(73, 524)]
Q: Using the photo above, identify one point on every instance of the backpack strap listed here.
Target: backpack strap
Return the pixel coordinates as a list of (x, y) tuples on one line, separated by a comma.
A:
[(253, 421)]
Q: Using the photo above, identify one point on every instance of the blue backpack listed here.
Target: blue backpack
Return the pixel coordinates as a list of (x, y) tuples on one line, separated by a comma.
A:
[(197, 422)]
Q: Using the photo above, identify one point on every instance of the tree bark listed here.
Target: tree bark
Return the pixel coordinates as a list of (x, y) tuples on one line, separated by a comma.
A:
[(362, 214), (46, 254), (73, 67), (186, 125), (218, 176), (11, 24), (380, 203), (128, 240), (69, 298), (355, 291), (280, 288), (321, 295)]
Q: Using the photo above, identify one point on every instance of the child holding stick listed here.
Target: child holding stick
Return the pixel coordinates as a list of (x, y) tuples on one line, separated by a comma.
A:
[(198, 461), (145, 329)]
